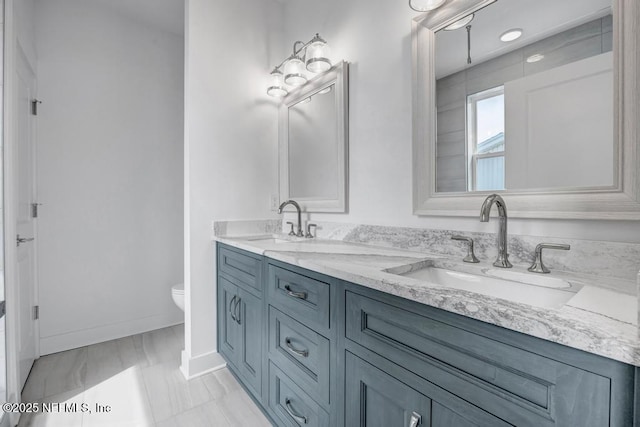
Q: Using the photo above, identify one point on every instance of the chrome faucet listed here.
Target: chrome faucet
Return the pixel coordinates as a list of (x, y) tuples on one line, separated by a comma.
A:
[(297, 206), (503, 257)]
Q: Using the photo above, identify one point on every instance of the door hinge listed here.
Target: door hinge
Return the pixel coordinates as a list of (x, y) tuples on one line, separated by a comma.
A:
[(34, 209), (36, 312), (34, 106)]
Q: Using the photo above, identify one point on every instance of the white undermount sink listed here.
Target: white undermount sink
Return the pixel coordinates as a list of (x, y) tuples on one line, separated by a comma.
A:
[(546, 292), (276, 238)]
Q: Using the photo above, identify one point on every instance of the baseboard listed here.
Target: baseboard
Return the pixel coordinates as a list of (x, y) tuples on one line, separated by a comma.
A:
[(192, 367), (84, 337)]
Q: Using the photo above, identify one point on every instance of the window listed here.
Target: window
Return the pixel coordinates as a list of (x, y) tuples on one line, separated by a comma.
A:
[(485, 140)]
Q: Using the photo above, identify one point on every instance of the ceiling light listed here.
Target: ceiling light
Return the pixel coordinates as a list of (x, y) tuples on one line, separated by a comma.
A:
[(535, 58), (425, 5), (511, 35), (325, 90), (460, 23)]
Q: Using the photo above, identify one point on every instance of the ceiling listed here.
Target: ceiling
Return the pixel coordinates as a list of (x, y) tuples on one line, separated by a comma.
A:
[(167, 15), (538, 18)]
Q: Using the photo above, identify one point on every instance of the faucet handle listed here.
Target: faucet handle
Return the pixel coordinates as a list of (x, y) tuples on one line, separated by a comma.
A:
[(471, 257), (309, 235), (291, 232), (538, 266)]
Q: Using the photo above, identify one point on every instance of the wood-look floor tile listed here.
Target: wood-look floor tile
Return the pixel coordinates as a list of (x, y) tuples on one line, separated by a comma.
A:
[(206, 415), (139, 378), (220, 383), (170, 393), (67, 413), (64, 371), (125, 395), (160, 346), (240, 410)]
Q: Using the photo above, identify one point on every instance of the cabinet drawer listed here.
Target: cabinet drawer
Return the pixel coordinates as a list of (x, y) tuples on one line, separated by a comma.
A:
[(521, 387), (242, 266), (290, 405), (376, 398), (301, 297), (301, 352)]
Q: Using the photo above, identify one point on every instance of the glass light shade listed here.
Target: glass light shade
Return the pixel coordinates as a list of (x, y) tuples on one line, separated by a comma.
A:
[(318, 57), (276, 88), (294, 72), (425, 5)]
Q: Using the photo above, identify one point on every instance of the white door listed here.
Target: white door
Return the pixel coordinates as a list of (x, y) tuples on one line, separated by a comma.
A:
[(24, 164)]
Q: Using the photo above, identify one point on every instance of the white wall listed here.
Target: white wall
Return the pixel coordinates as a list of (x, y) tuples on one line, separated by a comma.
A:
[(25, 27), (375, 37), (110, 174), (230, 144)]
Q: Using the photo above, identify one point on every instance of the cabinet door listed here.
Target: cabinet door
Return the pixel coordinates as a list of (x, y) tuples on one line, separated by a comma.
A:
[(229, 328), (249, 320), (375, 398)]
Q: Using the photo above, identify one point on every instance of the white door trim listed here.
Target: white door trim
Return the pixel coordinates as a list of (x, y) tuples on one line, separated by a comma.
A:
[(13, 392), (11, 50)]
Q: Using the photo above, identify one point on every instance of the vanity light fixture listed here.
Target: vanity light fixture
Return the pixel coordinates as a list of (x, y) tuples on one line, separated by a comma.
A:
[(535, 58), (312, 56), (425, 5), (294, 72), (460, 23), (511, 35), (277, 88)]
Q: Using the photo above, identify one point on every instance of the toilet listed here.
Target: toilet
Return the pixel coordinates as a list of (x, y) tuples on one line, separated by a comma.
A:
[(177, 293)]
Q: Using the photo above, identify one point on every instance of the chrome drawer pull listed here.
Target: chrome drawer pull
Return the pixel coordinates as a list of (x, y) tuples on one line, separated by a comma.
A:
[(299, 295), (231, 313), (303, 353), (299, 419), (416, 419)]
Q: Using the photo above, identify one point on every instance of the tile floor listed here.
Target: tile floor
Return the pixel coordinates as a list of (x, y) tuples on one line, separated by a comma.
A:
[(139, 378)]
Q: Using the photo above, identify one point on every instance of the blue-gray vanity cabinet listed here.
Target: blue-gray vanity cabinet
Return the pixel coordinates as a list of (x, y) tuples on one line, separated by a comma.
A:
[(518, 379), (289, 405), (316, 351), (300, 295), (301, 352), (301, 344), (241, 315), (229, 337), (378, 397)]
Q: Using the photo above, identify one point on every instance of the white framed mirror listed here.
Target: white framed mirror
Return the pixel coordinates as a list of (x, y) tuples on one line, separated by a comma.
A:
[(313, 141), (548, 120)]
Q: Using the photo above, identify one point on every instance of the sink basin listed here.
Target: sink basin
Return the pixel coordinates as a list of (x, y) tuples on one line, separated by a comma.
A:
[(276, 238), (529, 279), (512, 290)]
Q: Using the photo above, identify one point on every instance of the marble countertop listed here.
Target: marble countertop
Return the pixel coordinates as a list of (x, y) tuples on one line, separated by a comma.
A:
[(595, 319)]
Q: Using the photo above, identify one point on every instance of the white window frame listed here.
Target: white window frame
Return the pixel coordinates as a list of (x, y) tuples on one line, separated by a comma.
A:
[(472, 133)]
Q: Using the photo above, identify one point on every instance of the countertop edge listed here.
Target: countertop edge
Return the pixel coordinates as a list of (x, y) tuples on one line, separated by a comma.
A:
[(569, 326)]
